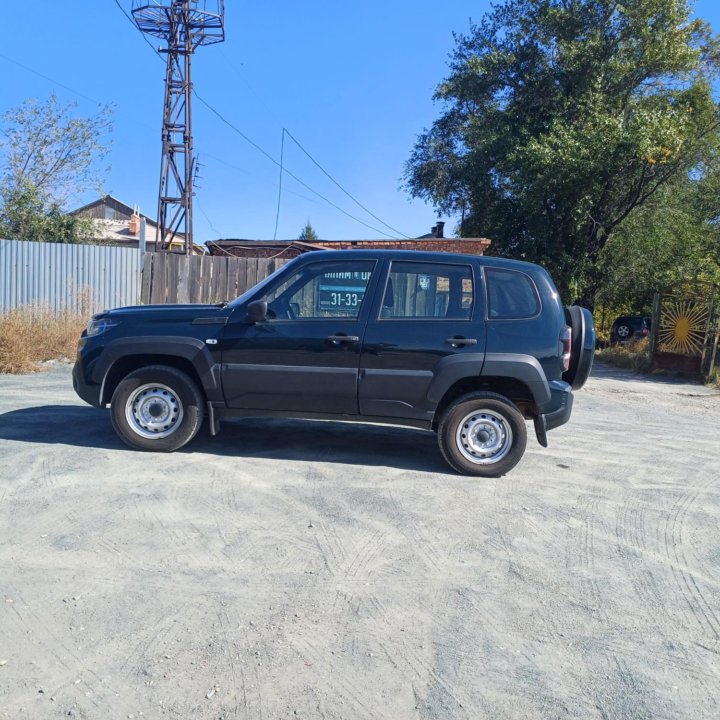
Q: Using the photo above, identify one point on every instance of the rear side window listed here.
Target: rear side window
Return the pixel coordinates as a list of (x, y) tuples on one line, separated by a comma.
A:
[(511, 294), (428, 290)]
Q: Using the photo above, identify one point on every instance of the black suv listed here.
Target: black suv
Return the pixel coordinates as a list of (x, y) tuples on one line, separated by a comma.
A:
[(467, 346), (629, 327)]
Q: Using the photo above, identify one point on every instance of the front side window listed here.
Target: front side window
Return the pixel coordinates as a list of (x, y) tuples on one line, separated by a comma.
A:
[(321, 290), (511, 294), (428, 290)]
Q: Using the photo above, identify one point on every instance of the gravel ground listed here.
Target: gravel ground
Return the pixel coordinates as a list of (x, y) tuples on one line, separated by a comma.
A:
[(290, 569)]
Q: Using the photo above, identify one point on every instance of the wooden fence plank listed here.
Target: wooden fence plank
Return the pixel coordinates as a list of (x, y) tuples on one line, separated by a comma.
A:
[(146, 283), (251, 272), (231, 285), (183, 280), (208, 267), (215, 275), (194, 271), (262, 270), (157, 291), (222, 281), (171, 278)]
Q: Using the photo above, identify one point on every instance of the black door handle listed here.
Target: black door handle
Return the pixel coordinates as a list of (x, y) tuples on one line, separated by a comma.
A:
[(461, 341), (337, 339)]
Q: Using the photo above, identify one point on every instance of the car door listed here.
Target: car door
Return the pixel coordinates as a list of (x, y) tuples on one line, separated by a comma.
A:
[(305, 356), (429, 313)]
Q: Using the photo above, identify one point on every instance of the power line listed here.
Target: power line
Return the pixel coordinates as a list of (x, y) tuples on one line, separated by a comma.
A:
[(142, 35), (272, 159), (245, 171), (49, 79), (332, 179), (282, 157), (240, 75), (205, 215), (275, 162)]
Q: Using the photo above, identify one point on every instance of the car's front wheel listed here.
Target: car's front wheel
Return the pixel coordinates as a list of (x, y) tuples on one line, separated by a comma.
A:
[(482, 434), (157, 408)]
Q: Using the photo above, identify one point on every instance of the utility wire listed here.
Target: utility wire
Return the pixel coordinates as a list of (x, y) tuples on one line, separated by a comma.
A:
[(49, 79), (266, 154), (282, 157), (287, 172), (142, 34), (333, 180), (205, 215), (245, 171), (240, 75)]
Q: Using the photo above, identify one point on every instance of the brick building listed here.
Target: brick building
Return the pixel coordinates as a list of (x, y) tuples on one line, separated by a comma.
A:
[(435, 241)]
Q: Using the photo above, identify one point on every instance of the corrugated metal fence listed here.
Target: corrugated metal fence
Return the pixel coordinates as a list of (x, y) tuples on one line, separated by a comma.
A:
[(81, 278)]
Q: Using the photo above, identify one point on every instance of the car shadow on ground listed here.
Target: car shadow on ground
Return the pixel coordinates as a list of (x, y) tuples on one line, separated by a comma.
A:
[(281, 439)]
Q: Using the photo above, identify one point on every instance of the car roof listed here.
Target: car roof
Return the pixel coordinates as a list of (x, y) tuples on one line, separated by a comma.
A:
[(417, 256)]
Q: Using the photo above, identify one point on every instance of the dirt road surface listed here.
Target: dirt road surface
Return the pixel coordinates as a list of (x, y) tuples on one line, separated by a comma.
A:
[(289, 569)]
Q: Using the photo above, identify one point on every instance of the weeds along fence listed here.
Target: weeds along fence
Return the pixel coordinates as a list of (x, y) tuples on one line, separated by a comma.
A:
[(174, 278), (72, 278)]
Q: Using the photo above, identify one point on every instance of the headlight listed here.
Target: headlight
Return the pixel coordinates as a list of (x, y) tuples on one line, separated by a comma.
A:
[(95, 327)]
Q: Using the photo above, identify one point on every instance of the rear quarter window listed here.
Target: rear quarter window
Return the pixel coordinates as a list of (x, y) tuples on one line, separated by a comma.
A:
[(511, 295)]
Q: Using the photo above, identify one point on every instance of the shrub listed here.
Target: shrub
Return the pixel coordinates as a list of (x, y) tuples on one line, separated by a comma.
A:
[(714, 378), (33, 334), (633, 355)]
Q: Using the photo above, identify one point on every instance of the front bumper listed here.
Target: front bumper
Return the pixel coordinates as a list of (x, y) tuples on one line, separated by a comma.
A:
[(88, 391)]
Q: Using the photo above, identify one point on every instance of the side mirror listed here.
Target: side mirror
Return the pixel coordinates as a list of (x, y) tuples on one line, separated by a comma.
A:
[(257, 311)]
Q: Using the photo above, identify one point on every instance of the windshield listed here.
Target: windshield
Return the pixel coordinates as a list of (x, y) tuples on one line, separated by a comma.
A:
[(256, 288)]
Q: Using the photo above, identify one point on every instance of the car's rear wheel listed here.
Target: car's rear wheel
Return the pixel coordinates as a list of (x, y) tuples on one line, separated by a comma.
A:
[(582, 351), (157, 408), (623, 332), (482, 434)]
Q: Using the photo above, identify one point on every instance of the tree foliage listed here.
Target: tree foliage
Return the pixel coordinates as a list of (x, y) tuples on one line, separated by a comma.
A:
[(308, 234), (26, 214), (560, 118), (48, 156), (673, 239)]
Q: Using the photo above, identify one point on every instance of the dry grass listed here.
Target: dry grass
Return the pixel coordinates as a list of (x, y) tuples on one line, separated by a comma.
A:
[(33, 334), (633, 355), (714, 379)]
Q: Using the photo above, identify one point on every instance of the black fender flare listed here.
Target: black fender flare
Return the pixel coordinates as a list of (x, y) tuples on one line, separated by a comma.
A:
[(451, 369), (191, 349), (523, 368)]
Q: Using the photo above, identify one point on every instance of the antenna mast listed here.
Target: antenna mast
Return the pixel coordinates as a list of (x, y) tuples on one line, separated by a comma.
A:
[(184, 25)]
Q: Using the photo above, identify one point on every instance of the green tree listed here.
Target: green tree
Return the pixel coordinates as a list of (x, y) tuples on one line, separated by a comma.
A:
[(308, 234), (25, 214), (48, 155), (674, 238), (560, 118)]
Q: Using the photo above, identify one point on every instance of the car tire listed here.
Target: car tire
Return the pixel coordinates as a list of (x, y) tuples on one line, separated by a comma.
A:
[(582, 350), (157, 408), (482, 434), (624, 332)]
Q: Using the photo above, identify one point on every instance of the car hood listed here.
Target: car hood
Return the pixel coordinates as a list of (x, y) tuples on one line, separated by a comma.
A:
[(166, 313)]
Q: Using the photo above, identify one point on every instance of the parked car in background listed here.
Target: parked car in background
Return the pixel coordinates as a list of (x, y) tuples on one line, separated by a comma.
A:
[(629, 327)]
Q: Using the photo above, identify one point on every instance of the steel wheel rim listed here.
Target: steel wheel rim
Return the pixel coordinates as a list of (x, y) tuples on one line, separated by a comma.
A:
[(484, 437), (154, 411)]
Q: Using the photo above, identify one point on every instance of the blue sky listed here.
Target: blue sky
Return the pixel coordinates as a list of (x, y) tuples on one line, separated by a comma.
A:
[(352, 81)]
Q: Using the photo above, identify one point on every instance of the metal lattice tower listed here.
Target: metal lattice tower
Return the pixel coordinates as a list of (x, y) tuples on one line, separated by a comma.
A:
[(184, 25)]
